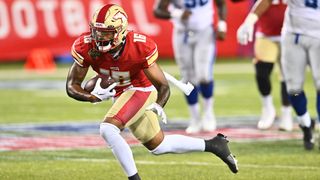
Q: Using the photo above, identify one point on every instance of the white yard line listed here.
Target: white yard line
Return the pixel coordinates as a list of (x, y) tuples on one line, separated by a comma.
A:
[(195, 163)]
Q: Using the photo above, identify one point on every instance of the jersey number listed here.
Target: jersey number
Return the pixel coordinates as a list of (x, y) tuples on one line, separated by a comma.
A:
[(311, 3), (194, 3), (123, 77), (139, 38)]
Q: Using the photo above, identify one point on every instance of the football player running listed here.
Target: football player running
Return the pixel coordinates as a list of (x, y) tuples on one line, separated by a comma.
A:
[(194, 51), (141, 90), (300, 44), (267, 53)]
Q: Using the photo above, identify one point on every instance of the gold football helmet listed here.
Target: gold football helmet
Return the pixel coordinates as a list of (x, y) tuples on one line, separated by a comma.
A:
[(109, 27)]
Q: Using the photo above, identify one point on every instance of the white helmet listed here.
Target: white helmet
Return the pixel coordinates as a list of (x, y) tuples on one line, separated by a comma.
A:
[(109, 27)]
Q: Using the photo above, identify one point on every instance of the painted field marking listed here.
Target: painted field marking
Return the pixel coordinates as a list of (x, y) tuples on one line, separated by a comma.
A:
[(54, 142), (195, 163)]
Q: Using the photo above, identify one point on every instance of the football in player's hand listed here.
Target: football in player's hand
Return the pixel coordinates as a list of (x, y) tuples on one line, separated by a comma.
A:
[(106, 81)]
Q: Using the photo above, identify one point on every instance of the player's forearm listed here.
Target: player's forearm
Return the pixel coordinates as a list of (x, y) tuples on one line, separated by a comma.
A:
[(222, 9), (163, 95), (161, 9), (260, 7), (157, 78), (256, 11), (161, 14), (75, 91)]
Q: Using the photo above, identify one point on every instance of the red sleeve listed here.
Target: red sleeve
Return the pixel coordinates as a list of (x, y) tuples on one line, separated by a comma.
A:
[(79, 49), (151, 52)]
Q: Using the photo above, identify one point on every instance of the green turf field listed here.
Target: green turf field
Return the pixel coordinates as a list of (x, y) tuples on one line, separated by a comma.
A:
[(260, 160), (235, 95)]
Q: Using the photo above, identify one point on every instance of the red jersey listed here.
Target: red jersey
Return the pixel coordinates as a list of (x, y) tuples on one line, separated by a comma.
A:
[(270, 23), (139, 53)]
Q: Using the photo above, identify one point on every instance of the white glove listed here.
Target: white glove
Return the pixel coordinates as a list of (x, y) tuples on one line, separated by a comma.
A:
[(176, 13), (101, 93), (156, 108), (245, 31)]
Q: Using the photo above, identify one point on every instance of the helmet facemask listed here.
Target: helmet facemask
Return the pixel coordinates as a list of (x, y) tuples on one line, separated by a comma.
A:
[(104, 38)]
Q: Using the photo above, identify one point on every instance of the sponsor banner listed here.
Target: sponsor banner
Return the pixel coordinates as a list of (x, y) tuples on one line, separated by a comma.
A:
[(55, 24)]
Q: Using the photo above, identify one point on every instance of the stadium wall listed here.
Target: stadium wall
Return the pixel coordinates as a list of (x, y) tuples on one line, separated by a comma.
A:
[(54, 24)]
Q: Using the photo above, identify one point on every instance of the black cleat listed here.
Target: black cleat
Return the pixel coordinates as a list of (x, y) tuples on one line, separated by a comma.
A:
[(219, 146), (308, 141), (134, 177)]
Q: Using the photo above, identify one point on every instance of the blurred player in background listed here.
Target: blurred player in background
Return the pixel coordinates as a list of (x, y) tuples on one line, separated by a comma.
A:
[(194, 51), (141, 90), (267, 50), (300, 44)]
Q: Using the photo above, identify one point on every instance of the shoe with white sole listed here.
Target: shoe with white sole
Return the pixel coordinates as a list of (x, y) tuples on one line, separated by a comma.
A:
[(209, 122), (267, 117), (194, 126), (308, 140), (286, 120)]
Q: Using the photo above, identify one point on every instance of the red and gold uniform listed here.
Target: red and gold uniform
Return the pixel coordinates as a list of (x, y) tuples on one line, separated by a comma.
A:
[(134, 91), (267, 47), (270, 23), (139, 53)]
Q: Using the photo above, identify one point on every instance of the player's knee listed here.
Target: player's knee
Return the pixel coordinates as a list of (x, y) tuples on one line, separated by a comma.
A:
[(292, 92), (107, 130), (155, 141), (204, 78), (192, 80), (294, 88), (262, 77), (263, 70), (188, 76)]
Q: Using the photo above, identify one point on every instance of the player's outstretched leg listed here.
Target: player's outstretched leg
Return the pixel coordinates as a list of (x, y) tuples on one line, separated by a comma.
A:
[(219, 146)]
